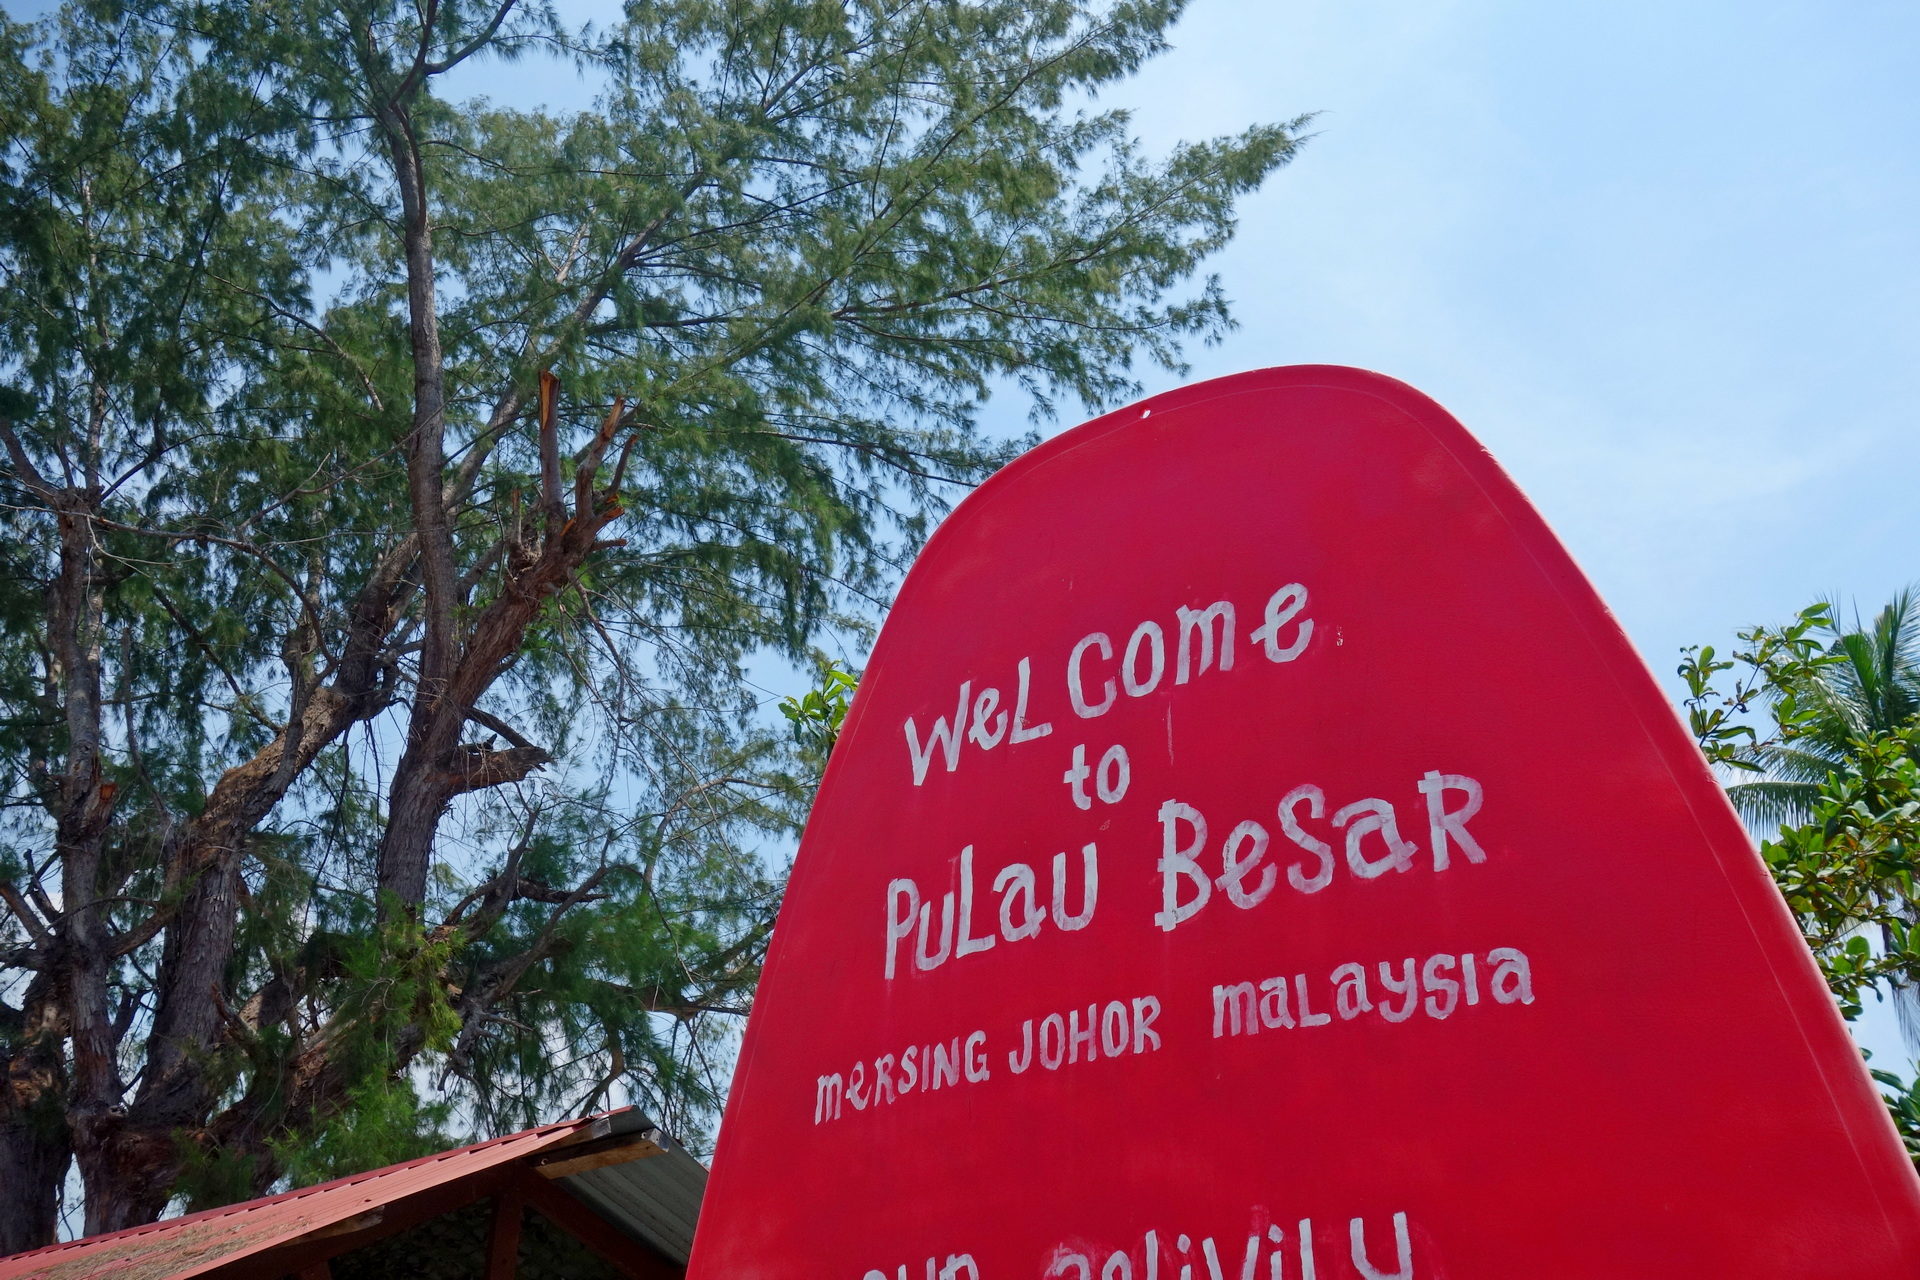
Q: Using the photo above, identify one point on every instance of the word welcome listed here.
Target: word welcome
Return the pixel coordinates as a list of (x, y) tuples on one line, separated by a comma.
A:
[(1097, 673)]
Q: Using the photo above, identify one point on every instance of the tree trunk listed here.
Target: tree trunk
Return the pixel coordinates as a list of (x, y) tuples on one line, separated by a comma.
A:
[(143, 1154), (415, 803), (138, 1159), (81, 958), (33, 1125)]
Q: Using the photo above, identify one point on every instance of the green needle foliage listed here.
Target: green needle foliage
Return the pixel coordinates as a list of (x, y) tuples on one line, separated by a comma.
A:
[(394, 485), (1821, 727)]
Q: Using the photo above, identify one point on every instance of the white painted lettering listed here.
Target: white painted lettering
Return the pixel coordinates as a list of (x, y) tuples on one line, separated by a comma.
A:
[(1363, 818), (1443, 993), (1116, 774), (1089, 888), (1236, 1010), (1022, 731), (1445, 826), (1018, 1060), (983, 716), (969, 944), (899, 923), (1512, 981), (1235, 866), (1283, 607), (1316, 802), (1085, 1036), (1403, 1248), (1146, 1009), (922, 957), (1076, 689), (1021, 915), (827, 1092), (1053, 1041), (1076, 778), (857, 1086), (1135, 684), (1350, 992), (1308, 1018), (1198, 623), (943, 735), (1113, 1029), (1405, 987), (944, 1071), (977, 1057), (1179, 862), (1273, 1004)]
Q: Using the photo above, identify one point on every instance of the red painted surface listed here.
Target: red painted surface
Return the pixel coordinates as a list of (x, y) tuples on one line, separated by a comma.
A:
[(201, 1242), (1662, 1089)]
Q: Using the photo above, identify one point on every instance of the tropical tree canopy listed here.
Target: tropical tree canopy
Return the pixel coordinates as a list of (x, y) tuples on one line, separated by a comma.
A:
[(394, 487), (1819, 726), (1868, 686)]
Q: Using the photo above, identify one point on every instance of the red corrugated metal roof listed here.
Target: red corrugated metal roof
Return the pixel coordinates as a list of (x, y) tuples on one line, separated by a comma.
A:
[(180, 1247)]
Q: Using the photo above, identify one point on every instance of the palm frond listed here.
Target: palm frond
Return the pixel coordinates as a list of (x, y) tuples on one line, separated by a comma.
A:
[(1872, 690), (1809, 764), (1769, 803)]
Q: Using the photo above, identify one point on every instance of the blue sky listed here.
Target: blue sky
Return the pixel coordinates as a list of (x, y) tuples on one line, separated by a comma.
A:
[(1662, 259)]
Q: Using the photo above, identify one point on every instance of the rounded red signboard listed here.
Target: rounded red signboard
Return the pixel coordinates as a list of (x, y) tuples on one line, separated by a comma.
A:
[(1254, 853)]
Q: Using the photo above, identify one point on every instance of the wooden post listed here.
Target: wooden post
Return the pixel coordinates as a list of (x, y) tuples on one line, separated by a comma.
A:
[(503, 1241)]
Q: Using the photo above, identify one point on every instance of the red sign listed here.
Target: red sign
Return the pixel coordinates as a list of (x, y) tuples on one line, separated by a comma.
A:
[(1255, 854)]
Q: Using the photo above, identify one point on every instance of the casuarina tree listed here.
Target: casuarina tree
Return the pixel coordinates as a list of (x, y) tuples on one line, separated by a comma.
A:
[(395, 483)]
